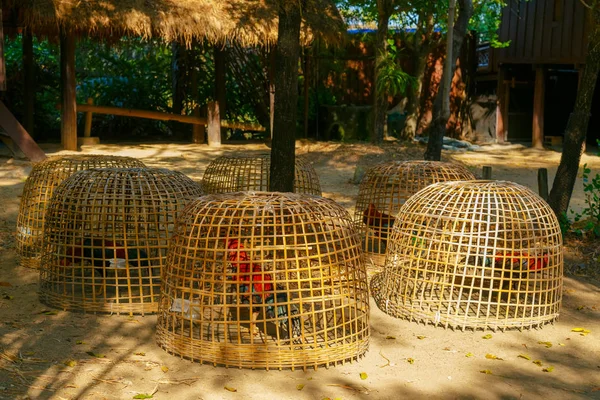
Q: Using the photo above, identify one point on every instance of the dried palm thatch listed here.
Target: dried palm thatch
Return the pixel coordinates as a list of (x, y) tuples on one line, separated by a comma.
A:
[(106, 238), (476, 254), (39, 186), (385, 188), (228, 174), (265, 280), (248, 22)]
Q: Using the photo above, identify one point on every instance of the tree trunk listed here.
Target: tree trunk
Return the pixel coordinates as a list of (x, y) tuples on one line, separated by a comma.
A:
[(441, 106), (422, 47), (380, 99), (28, 81), (286, 97), (69, 99), (576, 130), (179, 67)]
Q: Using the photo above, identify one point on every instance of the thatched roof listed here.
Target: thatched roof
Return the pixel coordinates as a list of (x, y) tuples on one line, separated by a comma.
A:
[(248, 22)]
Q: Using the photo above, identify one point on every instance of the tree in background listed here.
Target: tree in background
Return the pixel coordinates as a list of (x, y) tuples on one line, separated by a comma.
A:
[(441, 106), (286, 96), (577, 126)]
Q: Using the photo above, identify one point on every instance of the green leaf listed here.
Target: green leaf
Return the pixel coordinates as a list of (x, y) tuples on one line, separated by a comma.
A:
[(363, 375), (143, 396), (469, 355), (488, 336)]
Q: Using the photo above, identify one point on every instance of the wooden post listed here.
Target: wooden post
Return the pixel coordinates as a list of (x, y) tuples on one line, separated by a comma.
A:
[(537, 137), (87, 130), (502, 97), (306, 102), (198, 131), (543, 183), (487, 172), (28, 81), (220, 79), (2, 64), (69, 105), (214, 124)]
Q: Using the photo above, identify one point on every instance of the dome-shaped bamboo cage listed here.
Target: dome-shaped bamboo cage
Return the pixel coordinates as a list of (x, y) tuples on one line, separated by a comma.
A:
[(43, 179), (265, 280), (385, 188), (477, 255), (229, 174), (106, 238)]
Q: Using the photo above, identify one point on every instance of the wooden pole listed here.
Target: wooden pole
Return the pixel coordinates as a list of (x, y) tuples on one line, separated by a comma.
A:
[(87, 130), (537, 138), (28, 81), (487, 172), (214, 124), (198, 130), (2, 64), (502, 92), (69, 101), (220, 79), (543, 183)]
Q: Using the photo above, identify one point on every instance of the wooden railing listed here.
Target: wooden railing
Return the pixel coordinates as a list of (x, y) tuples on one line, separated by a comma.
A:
[(212, 121)]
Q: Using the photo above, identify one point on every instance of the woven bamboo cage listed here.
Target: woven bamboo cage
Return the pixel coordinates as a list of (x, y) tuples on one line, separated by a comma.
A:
[(265, 280), (106, 238), (228, 174), (385, 188), (39, 186), (477, 255)]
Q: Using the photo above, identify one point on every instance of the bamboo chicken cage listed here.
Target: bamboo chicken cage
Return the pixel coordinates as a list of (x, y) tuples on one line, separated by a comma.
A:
[(43, 179), (106, 238), (265, 280), (228, 174), (385, 188), (477, 255)]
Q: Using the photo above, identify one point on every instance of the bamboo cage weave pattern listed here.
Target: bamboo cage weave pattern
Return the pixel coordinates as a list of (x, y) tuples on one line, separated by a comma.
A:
[(385, 188), (39, 186), (477, 255), (228, 174), (106, 238), (265, 280)]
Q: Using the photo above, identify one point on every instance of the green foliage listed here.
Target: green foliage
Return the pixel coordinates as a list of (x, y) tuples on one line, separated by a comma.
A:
[(587, 222), (392, 79)]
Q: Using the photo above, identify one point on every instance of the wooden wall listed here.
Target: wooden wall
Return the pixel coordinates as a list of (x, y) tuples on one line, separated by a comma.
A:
[(544, 32)]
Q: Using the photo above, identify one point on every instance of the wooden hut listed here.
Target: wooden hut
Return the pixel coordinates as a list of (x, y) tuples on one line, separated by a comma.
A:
[(536, 77), (247, 23)]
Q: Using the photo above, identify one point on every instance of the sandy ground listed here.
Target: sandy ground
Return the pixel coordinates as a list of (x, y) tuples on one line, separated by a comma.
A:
[(44, 355)]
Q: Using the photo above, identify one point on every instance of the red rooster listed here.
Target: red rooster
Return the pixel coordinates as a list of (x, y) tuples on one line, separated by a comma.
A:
[(261, 289), (378, 221), (517, 265)]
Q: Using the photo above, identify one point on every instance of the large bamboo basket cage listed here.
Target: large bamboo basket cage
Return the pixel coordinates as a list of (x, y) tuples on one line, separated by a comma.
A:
[(384, 189), (477, 255), (229, 174), (39, 186), (265, 280), (106, 238)]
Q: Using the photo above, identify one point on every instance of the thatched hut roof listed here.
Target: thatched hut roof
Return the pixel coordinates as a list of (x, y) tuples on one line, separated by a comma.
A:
[(248, 22)]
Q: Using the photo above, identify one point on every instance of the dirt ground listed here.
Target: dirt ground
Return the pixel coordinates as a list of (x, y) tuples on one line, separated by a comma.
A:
[(45, 354)]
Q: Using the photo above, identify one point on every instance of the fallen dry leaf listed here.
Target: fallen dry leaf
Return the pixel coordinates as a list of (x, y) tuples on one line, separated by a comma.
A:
[(363, 375), (525, 356), (230, 389), (488, 336)]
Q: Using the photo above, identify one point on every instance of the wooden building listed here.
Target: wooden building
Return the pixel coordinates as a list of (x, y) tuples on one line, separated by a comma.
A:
[(536, 77)]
